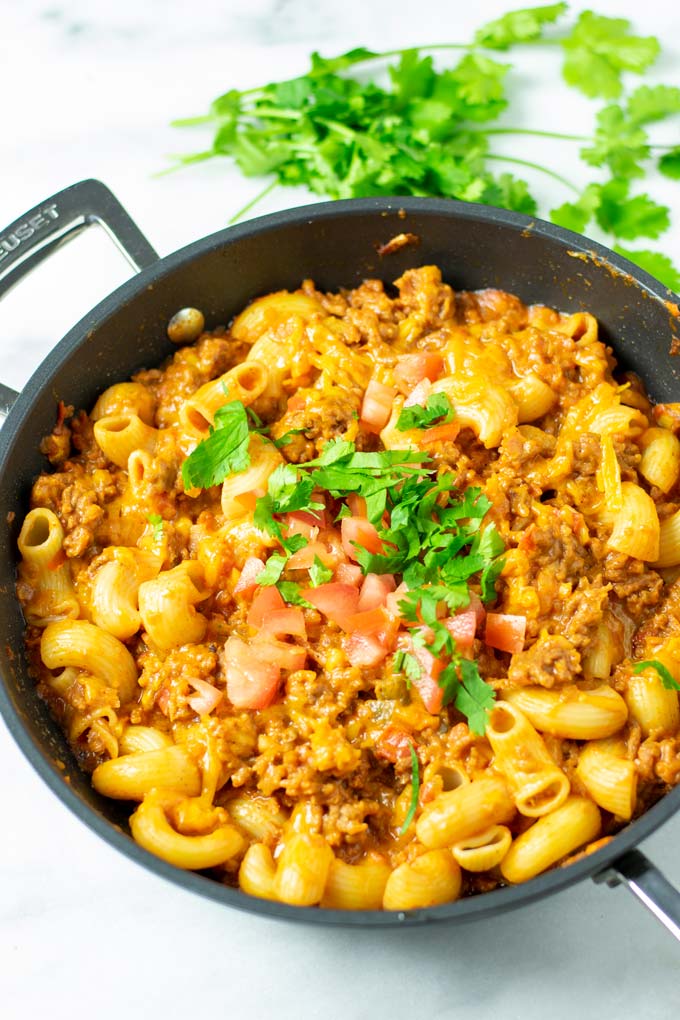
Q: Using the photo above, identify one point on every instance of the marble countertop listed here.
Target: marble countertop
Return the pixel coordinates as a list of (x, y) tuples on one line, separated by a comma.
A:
[(88, 90)]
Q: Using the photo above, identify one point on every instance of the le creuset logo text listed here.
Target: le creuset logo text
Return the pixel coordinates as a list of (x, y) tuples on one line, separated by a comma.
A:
[(23, 231)]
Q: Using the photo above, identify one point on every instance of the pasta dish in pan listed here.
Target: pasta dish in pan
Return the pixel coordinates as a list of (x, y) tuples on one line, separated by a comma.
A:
[(368, 600)]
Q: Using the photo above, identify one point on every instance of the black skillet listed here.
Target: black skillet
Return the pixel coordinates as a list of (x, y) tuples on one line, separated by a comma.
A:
[(336, 244)]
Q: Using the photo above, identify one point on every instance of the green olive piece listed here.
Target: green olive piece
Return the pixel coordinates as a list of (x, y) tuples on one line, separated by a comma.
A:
[(186, 325)]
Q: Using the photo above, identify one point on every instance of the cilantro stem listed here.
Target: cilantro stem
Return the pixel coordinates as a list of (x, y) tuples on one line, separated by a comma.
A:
[(534, 166), (415, 790), (534, 132), (253, 202)]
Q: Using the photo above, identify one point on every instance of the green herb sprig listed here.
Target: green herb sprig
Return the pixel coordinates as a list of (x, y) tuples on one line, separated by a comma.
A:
[(426, 131), (437, 409), (666, 677), (223, 452), (415, 791)]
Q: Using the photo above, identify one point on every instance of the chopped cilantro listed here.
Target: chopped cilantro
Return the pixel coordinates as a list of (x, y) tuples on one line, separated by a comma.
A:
[(319, 573), (437, 408), (224, 452), (156, 522), (415, 790), (287, 438), (290, 592), (666, 677), (273, 569)]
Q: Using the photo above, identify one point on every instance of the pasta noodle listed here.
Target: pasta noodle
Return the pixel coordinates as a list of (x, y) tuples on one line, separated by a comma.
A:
[(367, 600)]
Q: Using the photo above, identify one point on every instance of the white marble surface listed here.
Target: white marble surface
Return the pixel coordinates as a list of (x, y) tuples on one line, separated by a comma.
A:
[(87, 89)]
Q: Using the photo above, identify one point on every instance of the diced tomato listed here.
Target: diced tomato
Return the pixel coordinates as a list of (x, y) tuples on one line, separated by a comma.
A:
[(279, 653), (296, 527), (296, 403), (335, 599), (349, 573), (439, 433), (505, 631), (205, 698), (266, 601), (357, 504), (394, 598), (413, 368), (374, 591), (376, 623), (332, 539), (252, 682), (419, 394), (365, 650), (358, 531), (393, 744), (477, 607), (303, 558), (285, 621), (377, 406), (462, 627), (247, 582), (426, 684), (315, 518)]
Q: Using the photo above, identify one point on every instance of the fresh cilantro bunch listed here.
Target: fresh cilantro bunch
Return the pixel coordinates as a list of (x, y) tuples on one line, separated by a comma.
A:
[(423, 131)]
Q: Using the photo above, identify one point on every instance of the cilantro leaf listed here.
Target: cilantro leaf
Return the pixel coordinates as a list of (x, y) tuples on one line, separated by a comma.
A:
[(669, 164), (319, 573), (490, 574), (577, 215), (599, 49), (287, 438), (437, 406), (224, 452), (273, 569), (290, 592), (322, 66), (620, 143), (412, 668), (667, 678), (629, 218), (413, 77), (480, 92), (519, 26), (654, 263), (511, 192), (474, 697), (415, 790), (156, 522), (650, 103)]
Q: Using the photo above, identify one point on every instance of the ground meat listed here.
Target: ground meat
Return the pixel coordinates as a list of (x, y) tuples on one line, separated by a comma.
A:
[(190, 367), (637, 587), (57, 446), (314, 417), (660, 626), (78, 498), (552, 660), (582, 611), (424, 300)]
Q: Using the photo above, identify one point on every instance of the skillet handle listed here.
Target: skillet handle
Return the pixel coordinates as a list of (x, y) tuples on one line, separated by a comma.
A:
[(646, 882), (34, 236)]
